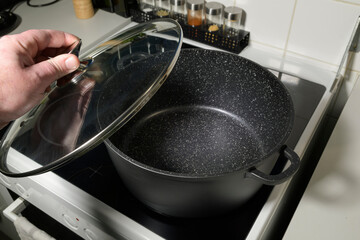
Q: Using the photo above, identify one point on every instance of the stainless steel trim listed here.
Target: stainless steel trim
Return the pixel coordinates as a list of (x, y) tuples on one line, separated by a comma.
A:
[(352, 47)]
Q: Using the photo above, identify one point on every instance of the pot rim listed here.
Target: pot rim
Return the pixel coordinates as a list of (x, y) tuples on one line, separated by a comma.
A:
[(248, 165)]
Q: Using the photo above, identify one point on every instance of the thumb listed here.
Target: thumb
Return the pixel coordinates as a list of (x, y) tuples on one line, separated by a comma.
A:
[(52, 69)]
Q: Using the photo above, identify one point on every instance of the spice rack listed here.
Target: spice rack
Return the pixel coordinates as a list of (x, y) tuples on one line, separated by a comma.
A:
[(232, 44)]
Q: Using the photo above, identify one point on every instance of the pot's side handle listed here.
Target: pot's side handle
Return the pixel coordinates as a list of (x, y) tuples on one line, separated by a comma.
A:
[(278, 178)]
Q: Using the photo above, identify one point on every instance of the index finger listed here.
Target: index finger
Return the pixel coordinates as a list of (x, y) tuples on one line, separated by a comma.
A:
[(34, 41)]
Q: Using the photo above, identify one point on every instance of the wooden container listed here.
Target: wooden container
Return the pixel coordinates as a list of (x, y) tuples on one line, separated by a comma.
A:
[(83, 9)]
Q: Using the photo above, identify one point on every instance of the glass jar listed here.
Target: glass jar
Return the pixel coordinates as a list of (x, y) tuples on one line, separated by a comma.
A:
[(195, 12), (214, 16), (177, 9), (232, 21), (147, 5), (162, 8)]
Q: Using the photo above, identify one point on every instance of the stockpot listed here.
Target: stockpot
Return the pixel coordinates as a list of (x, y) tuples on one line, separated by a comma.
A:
[(197, 147)]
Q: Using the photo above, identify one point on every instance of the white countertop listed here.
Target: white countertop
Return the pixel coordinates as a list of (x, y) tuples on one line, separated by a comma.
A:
[(330, 207), (61, 16)]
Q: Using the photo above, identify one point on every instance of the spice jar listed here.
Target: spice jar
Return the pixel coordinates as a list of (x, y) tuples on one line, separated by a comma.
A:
[(147, 5), (232, 21), (162, 8), (195, 12), (177, 9), (214, 16)]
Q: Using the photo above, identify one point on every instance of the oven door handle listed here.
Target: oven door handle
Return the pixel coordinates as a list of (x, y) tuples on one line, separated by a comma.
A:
[(25, 229), (14, 209)]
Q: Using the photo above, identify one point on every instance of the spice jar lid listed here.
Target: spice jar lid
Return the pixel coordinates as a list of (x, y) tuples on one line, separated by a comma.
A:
[(195, 4), (232, 13), (115, 80), (177, 2), (214, 8)]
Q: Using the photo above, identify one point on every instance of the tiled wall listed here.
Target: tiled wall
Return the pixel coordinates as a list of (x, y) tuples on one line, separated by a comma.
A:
[(318, 30)]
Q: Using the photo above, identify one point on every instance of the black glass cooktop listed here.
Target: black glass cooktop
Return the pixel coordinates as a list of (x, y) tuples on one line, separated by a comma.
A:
[(94, 173)]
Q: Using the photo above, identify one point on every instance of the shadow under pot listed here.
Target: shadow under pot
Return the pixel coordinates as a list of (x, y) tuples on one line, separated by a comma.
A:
[(208, 139)]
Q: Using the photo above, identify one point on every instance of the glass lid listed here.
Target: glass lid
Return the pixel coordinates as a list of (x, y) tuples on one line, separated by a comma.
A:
[(114, 81)]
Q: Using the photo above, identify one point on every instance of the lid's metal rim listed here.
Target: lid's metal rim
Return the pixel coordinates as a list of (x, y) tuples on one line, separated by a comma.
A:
[(106, 132)]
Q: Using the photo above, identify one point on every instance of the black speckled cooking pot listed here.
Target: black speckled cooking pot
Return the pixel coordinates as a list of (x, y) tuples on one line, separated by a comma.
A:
[(208, 139)]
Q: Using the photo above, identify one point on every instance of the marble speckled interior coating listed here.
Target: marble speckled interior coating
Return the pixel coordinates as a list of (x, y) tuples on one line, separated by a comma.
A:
[(216, 113)]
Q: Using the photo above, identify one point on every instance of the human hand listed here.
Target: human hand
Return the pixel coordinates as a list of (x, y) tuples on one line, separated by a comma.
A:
[(29, 63)]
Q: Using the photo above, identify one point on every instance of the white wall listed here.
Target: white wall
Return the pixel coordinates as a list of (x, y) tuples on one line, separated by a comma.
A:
[(318, 30)]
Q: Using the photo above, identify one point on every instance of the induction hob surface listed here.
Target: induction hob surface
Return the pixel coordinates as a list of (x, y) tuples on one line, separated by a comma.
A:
[(95, 174)]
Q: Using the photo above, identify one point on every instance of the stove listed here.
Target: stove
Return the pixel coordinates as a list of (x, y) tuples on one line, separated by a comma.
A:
[(88, 197), (95, 174)]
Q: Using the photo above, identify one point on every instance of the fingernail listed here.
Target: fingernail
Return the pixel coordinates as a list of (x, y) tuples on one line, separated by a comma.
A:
[(71, 63)]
